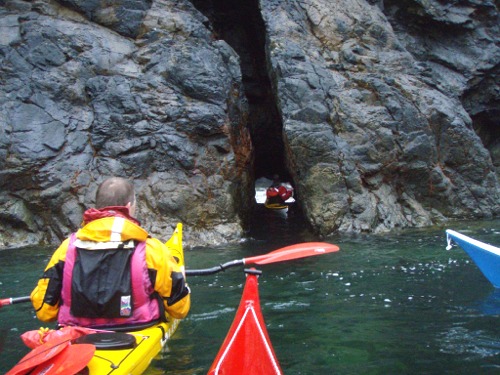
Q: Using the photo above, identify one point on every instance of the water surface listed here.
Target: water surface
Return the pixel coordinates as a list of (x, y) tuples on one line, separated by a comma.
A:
[(393, 304)]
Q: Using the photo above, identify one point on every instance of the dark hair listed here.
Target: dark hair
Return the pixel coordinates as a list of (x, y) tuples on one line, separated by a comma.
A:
[(114, 191)]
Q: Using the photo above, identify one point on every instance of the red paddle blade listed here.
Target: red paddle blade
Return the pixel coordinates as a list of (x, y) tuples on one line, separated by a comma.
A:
[(39, 355), (301, 250), (71, 360)]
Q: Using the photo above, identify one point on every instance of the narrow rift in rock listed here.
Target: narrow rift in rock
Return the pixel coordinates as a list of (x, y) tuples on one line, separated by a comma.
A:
[(486, 126), (240, 24)]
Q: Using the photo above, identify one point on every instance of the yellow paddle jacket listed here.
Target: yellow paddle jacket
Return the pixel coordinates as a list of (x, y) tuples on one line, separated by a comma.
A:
[(164, 272)]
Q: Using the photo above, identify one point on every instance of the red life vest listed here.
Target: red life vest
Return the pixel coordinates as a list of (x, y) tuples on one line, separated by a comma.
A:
[(284, 193), (271, 192), (141, 306), (280, 191)]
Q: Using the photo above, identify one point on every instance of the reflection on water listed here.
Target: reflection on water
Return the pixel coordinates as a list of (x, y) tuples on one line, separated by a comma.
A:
[(491, 304), (471, 344), (392, 304), (278, 227)]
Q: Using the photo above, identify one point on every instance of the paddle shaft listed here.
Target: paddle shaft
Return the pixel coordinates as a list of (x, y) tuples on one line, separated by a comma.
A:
[(216, 269), (14, 300), (200, 272), (301, 250)]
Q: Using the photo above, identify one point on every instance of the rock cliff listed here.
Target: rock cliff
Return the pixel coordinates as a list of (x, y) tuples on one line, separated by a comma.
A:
[(384, 114)]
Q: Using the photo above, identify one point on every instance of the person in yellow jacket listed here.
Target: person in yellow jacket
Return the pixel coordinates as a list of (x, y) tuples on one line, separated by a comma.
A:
[(111, 272)]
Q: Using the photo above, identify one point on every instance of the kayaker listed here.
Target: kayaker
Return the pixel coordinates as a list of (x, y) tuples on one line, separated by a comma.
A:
[(111, 272), (277, 193)]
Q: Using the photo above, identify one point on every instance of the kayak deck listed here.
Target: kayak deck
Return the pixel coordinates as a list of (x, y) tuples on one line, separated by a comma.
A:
[(247, 348), (148, 343)]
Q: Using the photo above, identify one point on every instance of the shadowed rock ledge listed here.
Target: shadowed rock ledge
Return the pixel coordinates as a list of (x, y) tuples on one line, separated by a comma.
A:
[(384, 113)]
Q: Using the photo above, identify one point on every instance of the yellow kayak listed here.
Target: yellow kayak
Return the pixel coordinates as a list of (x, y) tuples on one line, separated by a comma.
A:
[(131, 360), (127, 352), (276, 206)]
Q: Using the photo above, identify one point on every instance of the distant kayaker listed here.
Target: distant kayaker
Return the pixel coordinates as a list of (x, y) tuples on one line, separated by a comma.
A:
[(111, 272), (277, 193)]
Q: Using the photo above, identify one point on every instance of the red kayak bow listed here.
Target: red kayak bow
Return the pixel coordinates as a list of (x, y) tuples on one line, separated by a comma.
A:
[(247, 348)]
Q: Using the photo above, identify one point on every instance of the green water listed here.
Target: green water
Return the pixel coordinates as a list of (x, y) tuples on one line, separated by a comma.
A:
[(394, 304)]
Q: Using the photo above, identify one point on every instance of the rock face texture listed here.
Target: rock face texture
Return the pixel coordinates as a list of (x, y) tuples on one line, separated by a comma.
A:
[(376, 100), (384, 114), (87, 93)]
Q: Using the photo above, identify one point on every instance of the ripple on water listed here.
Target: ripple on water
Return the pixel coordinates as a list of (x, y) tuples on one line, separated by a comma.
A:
[(389, 304), (211, 315), (471, 343), (287, 305)]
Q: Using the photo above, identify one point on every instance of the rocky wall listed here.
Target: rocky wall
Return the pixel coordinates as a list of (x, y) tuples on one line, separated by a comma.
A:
[(387, 109)]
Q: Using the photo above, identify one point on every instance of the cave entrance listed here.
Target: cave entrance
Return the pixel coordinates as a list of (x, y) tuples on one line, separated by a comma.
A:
[(239, 23), (486, 126)]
